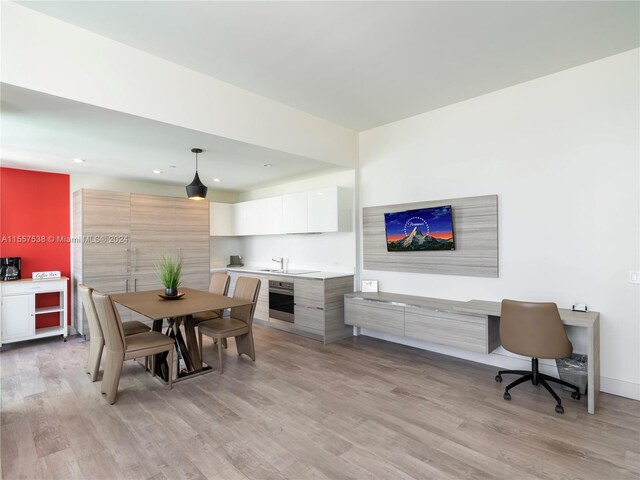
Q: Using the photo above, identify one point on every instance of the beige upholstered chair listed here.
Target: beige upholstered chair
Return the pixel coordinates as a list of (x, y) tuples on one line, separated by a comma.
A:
[(96, 339), (121, 348), (219, 284), (534, 330), (238, 325)]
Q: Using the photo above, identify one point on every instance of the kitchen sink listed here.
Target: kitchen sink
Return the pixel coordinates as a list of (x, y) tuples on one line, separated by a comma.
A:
[(287, 272)]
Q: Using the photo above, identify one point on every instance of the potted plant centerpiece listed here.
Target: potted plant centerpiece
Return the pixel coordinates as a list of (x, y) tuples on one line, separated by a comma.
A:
[(169, 270)]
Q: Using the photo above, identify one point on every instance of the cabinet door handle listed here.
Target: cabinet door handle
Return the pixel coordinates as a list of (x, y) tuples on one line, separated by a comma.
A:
[(135, 284), (127, 259), (126, 285)]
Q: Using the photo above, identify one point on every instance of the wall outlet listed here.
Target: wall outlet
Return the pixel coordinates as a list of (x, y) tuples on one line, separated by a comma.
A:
[(634, 277), (369, 285)]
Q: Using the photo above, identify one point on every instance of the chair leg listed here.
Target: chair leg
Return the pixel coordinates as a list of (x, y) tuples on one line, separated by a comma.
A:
[(171, 369), (515, 383), (153, 364), (220, 357), (244, 343), (95, 356), (544, 383), (111, 379), (559, 381)]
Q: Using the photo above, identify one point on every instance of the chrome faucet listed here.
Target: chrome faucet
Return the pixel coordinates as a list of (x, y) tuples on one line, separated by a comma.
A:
[(280, 260)]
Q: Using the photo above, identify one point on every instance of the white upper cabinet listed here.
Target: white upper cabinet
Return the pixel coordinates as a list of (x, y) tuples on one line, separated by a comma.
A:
[(221, 219), (326, 209), (270, 210), (329, 210), (294, 213)]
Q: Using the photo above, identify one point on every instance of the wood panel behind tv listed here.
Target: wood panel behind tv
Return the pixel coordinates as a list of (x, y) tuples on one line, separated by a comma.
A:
[(475, 230)]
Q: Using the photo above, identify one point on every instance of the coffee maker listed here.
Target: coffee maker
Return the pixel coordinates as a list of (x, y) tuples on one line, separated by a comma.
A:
[(10, 268)]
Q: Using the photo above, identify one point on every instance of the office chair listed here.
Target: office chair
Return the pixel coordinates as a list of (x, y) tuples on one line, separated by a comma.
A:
[(534, 330)]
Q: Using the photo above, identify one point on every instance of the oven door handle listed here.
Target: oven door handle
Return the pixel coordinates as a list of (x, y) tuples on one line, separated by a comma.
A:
[(281, 291)]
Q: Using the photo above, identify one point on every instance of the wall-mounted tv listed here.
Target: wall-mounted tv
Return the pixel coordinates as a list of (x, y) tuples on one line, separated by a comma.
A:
[(420, 229)]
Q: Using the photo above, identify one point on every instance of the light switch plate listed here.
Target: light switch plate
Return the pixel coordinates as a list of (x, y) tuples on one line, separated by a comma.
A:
[(634, 277)]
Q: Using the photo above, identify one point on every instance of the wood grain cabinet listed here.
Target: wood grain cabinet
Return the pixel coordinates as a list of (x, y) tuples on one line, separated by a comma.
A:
[(119, 237), (319, 306), (375, 316), (467, 332), (422, 318)]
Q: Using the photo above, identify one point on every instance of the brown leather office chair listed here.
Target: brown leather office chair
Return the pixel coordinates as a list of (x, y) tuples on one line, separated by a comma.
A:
[(534, 330), (96, 339), (238, 325), (121, 348), (219, 284)]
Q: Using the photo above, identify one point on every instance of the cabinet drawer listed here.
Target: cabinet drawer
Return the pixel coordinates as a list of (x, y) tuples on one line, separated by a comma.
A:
[(374, 315), (309, 317), (37, 286), (462, 331)]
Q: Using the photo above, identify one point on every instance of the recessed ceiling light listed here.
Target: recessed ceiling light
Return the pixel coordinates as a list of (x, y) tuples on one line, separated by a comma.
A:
[(157, 171), (216, 180), (78, 160), (267, 165)]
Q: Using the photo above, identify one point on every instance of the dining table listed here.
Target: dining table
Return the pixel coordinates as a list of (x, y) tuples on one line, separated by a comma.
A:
[(178, 311)]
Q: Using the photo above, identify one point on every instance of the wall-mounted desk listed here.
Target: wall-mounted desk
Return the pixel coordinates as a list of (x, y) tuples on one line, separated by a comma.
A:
[(472, 325)]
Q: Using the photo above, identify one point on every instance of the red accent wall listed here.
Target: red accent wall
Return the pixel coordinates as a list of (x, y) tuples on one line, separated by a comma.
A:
[(36, 205)]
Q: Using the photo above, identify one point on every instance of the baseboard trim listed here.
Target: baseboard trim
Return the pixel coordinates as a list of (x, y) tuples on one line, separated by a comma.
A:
[(500, 358)]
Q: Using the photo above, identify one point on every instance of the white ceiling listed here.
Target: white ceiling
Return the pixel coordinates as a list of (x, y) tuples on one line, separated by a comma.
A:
[(358, 64), (44, 132), (364, 64)]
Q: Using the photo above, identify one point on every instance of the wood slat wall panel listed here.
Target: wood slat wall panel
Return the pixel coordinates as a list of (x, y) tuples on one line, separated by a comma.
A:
[(475, 227)]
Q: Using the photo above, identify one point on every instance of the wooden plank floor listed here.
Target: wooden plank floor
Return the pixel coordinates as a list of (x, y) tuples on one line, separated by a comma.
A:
[(357, 409)]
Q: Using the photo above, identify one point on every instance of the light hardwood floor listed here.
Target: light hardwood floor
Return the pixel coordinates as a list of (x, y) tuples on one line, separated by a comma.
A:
[(357, 409)]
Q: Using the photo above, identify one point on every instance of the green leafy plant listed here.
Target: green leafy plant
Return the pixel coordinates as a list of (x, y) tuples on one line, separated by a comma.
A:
[(169, 270)]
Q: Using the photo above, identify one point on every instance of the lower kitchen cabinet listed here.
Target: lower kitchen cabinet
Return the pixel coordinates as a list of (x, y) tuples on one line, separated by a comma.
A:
[(19, 310), (318, 305), (262, 306)]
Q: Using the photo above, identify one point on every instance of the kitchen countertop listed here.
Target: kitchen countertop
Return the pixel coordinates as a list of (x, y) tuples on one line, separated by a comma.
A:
[(260, 271)]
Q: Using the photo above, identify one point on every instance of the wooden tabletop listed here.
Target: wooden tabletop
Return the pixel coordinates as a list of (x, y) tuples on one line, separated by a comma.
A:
[(150, 304)]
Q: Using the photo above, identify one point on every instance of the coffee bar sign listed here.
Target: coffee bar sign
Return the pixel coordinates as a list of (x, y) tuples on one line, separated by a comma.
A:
[(44, 275)]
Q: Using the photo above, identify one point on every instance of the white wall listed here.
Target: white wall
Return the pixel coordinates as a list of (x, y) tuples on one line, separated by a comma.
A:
[(562, 153), (333, 252)]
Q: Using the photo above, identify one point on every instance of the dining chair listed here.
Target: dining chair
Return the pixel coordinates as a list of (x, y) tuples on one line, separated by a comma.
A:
[(121, 348), (218, 284), (239, 324), (534, 330), (96, 339)]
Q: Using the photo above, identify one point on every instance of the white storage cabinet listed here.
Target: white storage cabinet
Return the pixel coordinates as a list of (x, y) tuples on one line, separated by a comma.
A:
[(18, 312)]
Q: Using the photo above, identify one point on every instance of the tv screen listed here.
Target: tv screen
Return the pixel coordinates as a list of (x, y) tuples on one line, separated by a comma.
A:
[(421, 229)]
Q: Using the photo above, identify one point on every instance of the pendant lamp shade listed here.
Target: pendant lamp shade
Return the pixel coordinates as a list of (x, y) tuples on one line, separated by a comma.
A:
[(196, 190)]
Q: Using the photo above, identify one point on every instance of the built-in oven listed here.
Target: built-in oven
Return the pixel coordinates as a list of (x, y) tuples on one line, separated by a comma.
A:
[(281, 300)]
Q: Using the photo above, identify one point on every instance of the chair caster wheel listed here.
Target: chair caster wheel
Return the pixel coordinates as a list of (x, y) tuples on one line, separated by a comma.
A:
[(559, 409), (506, 396), (576, 395), (498, 379)]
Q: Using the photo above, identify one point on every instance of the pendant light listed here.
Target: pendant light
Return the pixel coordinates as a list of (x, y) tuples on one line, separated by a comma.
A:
[(196, 190)]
